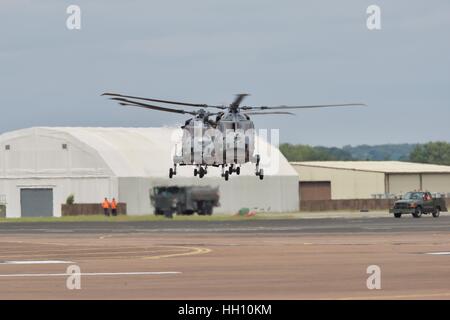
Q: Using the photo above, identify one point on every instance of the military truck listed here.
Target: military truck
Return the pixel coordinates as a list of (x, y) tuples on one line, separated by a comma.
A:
[(418, 203), (184, 200)]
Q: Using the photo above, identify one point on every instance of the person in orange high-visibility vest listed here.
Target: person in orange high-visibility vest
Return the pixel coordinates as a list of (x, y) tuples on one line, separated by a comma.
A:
[(106, 205), (114, 207)]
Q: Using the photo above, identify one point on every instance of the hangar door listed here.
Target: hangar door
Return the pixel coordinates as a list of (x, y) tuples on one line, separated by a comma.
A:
[(36, 202), (315, 190)]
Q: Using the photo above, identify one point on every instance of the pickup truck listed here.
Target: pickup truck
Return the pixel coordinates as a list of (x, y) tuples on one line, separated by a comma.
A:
[(418, 203)]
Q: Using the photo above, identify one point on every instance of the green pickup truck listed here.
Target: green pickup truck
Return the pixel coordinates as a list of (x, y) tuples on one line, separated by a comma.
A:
[(418, 203)]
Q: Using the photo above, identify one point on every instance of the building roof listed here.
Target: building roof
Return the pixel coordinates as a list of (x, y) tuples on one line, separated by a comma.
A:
[(128, 152), (377, 166)]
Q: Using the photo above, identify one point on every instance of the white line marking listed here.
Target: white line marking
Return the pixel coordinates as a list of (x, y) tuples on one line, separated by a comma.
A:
[(22, 275), (439, 253), (36, 262)]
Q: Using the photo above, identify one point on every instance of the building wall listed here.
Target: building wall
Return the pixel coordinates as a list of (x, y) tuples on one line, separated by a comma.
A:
[(436, 182), (345, 184), (273, 194), (85, 191), (402, 183), (433, 182)]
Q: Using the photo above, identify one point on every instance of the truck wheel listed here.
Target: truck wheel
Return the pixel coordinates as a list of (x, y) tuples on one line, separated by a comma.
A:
[(238, 170), (436, 213), (168, 214), (397, 215), (227, 175), (418, 212)]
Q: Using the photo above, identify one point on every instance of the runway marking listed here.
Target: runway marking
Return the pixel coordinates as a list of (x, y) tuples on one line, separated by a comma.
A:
[(439, 253), (36, 262), (194, 251), (28, 275), (81, 254)]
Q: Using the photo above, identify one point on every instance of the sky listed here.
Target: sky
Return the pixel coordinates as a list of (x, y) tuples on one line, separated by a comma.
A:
[(286, 52)]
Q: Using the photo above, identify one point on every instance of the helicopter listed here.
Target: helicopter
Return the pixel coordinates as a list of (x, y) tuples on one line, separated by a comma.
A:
[(224, 138)]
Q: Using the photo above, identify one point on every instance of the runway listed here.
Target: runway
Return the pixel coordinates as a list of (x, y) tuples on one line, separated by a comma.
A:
[(255, 259)]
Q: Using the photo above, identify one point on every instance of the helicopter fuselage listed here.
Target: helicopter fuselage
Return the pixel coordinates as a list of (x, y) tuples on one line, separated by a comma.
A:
[(229, 140)]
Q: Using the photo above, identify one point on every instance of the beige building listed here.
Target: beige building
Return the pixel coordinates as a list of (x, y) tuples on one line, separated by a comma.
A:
[(325, 180)]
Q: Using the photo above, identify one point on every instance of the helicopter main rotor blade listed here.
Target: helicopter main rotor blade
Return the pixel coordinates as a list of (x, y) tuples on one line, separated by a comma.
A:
[(125, 102), (274, 112), (237, 102), (305, 107), (163, 101)]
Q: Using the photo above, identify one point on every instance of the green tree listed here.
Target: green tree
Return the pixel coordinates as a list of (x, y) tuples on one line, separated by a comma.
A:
[(70, 199), (432, 152), (301, 152)]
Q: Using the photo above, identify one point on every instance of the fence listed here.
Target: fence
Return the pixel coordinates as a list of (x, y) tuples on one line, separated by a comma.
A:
[(88, 209)]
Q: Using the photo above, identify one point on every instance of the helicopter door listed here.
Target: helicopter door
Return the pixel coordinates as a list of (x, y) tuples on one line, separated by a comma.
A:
[(197, 142), (240, 146)]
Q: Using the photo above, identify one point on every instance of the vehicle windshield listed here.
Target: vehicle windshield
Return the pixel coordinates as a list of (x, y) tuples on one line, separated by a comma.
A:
[(165, 190), (413, 196)]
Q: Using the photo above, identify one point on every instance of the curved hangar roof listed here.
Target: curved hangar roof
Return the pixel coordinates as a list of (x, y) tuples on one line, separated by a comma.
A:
[(122, 152)]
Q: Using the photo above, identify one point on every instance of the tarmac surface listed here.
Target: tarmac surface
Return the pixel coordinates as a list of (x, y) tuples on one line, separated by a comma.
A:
[(254, 259)]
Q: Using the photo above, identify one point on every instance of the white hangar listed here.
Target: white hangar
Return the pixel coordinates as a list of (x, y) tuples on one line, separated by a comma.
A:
[(41, 167)]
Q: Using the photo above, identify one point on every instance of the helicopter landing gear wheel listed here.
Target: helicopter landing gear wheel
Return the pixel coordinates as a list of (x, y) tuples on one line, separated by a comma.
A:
[(226, 175), (195, 172), (173, 171), (201, 173), (238, 170), (261, 174)]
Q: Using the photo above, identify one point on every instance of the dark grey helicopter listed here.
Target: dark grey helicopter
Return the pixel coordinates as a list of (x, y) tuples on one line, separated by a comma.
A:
[(224, 138)]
